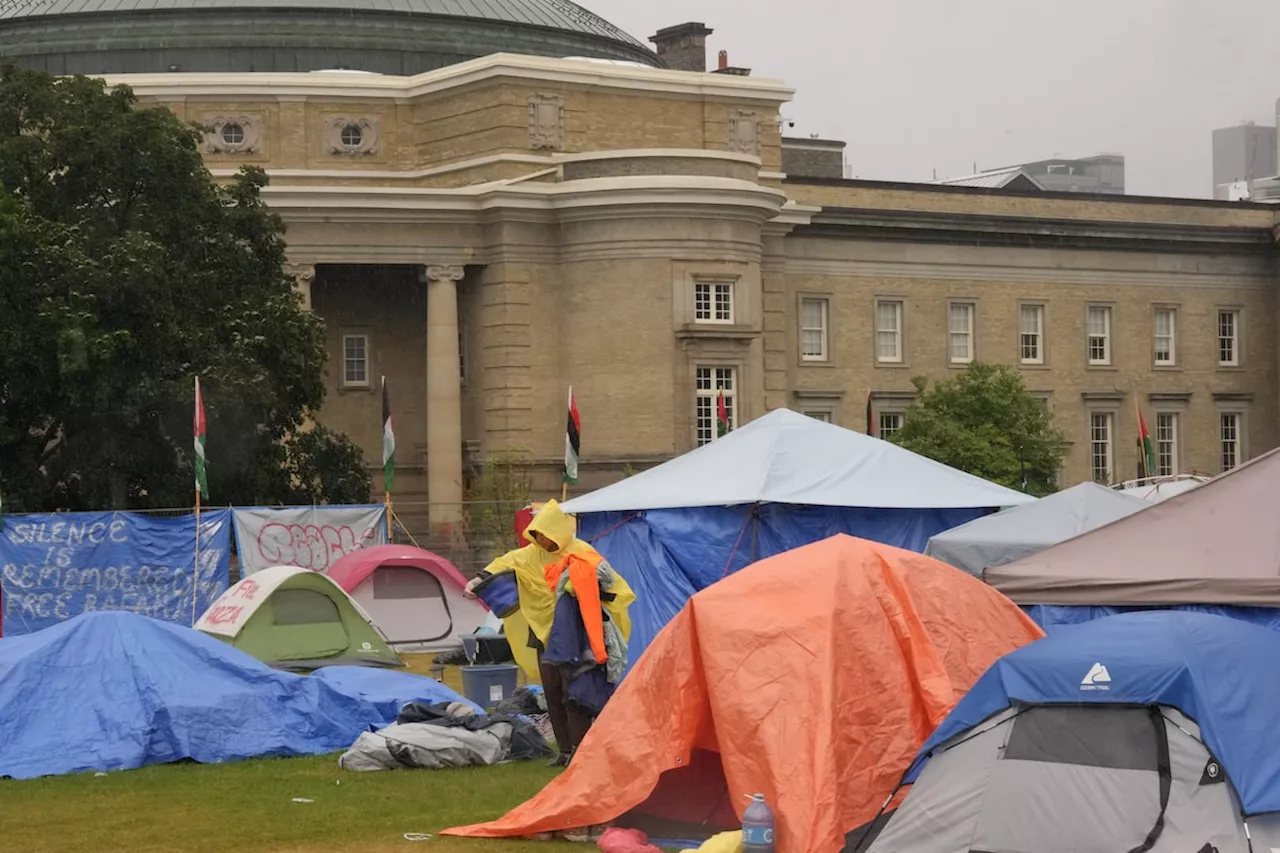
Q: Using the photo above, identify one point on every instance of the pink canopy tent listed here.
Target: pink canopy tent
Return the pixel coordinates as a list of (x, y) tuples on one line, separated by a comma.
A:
[(413, 595)]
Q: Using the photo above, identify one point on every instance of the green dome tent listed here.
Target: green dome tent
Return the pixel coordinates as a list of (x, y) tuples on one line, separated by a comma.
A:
[(295, 619)]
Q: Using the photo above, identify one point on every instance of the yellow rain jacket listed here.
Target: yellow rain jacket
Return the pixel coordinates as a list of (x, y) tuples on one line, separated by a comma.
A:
[(537, 598)]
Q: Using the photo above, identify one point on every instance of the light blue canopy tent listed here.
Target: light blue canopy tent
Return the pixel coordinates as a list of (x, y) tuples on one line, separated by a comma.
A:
[(1020, 531), (782, 481)]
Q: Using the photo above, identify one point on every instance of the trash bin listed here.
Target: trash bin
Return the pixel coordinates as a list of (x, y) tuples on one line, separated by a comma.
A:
[(489, 685)]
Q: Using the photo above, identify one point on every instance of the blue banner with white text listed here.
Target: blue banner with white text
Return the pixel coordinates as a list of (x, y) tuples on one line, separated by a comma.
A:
[(57, 566)]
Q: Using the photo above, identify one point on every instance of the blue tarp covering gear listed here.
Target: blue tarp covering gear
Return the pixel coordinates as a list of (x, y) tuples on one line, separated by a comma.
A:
[(782, 481), (1220, 672), (114, 691), (1053, 617)]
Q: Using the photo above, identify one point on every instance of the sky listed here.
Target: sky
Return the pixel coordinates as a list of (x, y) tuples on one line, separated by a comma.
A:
[(915, 86)]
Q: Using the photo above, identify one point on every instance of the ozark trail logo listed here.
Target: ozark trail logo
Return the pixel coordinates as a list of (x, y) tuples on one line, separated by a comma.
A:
[(1096, 679)]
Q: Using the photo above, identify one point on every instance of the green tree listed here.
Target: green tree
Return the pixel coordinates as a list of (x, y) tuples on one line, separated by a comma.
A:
[(985, 422), (125, 271)]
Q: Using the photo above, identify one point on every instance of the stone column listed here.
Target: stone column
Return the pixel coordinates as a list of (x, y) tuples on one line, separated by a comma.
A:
[(444, 396), (303, 275)]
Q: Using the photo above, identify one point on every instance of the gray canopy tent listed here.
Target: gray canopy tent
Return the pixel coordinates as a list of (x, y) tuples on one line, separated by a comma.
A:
[(1020, 531)]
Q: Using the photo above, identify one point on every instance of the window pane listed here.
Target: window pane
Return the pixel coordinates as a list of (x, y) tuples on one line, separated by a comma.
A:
[(1100, 446), (889, 331), (355, 370), (1229, 432), (1166, 444), (1228, 349), (702, 301), (1164, 325), (1030, 330), (1099, 323), (724, 302), (710, 382), (813, 329), (890, 422)]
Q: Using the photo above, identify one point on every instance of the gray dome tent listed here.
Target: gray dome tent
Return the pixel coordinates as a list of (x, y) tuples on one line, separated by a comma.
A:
[(1020, 531)]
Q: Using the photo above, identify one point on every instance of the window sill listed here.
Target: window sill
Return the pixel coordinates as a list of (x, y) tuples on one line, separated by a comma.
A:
[(1102, 368), (826, 362), (1167, 368), (1230, 368), (355, 389), (893, 365), (716, 330), (1039, 365), (959, 365)]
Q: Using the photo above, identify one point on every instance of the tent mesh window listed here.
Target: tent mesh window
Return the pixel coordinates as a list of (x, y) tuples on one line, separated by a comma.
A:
[(303, 607), (390, 583), (1121, 738)]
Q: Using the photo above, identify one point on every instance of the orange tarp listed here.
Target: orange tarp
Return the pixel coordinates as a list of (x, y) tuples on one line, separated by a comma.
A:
[(815, 675)]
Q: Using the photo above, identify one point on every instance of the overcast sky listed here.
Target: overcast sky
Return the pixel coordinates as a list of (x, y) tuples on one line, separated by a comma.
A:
[(918, 85)]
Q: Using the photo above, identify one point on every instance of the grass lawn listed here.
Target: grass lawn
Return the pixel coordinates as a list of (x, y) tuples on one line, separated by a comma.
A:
[(248, 807)]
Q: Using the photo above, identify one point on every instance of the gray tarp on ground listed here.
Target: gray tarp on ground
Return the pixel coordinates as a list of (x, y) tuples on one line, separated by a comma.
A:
[(427, 746), (1216, 544), (1020, 531)]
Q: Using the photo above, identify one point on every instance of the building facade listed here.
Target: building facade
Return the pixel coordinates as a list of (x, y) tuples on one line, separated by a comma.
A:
[(1245, 154), (1102, 173), (486, 234)]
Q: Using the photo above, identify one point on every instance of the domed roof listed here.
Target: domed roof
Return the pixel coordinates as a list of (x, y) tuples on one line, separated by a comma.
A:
[(386, 36)]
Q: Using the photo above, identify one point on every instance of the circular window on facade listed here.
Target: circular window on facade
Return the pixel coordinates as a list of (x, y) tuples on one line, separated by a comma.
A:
[(352, 136), (233, 134)]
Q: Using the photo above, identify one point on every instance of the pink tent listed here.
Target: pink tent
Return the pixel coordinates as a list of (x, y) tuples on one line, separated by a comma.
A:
[(413, 595)]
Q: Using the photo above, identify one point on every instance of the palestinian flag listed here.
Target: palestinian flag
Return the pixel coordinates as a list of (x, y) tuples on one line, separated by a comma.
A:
[(722, 416), (199, 428), (1146, 452), (572, 442), (388, 442), (871, 417)]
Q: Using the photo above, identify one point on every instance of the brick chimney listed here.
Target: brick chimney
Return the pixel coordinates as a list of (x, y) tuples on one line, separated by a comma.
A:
[(723, 67), (683, 47)]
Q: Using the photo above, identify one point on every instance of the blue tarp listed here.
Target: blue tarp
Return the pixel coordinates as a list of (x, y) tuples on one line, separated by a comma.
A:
[(1220, 672), (56, 566), (1051, 617), (667, 555), (112, 691)]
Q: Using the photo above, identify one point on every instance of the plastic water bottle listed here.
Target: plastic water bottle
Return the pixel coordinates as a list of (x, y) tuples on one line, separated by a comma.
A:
[(757, 827)]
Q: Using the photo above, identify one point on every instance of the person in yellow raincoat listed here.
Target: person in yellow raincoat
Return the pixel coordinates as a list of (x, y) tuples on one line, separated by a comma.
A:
[(552, 536)]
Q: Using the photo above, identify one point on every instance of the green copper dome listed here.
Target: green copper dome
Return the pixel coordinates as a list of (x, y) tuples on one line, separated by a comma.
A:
[(384, 36)]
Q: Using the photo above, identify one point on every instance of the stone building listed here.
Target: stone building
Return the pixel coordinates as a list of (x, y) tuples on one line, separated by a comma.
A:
[(495, 228)]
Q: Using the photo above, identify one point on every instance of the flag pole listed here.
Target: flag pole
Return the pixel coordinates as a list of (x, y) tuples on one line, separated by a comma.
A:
[(195, 566), (198, 469)]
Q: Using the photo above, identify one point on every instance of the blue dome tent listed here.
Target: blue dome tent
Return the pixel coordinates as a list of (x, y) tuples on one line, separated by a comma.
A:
[(782, 481), (1153, 731)]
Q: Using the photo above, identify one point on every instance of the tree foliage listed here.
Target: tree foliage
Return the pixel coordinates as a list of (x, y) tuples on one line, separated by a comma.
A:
[(985, 422), (126, 271)]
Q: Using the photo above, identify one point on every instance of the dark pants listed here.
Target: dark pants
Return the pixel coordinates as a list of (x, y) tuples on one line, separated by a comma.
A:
[(568, 720)]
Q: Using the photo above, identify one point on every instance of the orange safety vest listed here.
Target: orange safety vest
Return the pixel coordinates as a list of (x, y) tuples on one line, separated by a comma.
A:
[(582, 568)]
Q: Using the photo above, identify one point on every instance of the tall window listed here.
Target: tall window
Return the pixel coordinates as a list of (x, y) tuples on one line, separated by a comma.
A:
[(711, 381), (1166, 444), (1229, 436), (355, 361), (1099, 322), (889, 331), (960, 331), (1101, 455), (813, 329), (1031, 334), (1166, 322), (890, 422), (1228, 338), (713, 301)]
